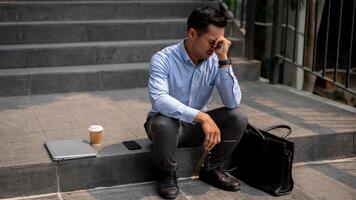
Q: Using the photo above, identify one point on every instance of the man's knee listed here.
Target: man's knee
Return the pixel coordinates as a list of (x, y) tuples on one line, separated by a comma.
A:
[(236, 124), (238, 118), (163, 125)]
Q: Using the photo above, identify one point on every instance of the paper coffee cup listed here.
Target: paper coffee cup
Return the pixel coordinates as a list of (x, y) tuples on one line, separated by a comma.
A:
[(96, 133)]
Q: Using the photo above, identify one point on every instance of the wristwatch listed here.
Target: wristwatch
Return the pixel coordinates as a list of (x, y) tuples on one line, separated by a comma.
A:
[(224, 62)]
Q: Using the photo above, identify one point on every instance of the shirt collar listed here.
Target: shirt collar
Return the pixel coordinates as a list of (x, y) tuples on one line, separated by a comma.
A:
[(183, 52)]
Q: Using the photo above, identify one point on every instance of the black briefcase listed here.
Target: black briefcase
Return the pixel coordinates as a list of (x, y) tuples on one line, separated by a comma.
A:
[(264, 161)]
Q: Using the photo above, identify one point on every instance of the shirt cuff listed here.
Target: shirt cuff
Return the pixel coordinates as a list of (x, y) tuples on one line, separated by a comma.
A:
[(189, 115), (226, 72)]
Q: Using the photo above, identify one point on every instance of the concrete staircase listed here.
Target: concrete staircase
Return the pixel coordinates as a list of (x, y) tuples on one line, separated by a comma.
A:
[(65, 46), (57, 46)]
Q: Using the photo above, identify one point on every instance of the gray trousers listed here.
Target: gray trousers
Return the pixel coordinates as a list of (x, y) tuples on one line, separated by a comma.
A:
[(167, 134)]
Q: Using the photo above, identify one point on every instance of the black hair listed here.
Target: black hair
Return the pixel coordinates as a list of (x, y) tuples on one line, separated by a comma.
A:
[(202, 16)]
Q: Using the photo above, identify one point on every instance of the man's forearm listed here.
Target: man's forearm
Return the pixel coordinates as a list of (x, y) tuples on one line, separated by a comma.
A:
[(228, 87), (201, 117), (171, 107)]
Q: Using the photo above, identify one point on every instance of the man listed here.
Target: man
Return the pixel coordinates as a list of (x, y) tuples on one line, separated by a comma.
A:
[(181, 81)]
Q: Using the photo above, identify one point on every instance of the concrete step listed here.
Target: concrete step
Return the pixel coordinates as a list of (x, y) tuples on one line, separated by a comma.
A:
[(96, 10), (96, 30), (97, 0), (91, 31), (117, 166), (92, 77), (27, 121), (87, 53), (73, 78), (331, 176)]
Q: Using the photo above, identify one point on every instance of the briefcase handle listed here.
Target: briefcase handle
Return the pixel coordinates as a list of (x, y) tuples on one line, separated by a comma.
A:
[(280, 126), (257, 131)]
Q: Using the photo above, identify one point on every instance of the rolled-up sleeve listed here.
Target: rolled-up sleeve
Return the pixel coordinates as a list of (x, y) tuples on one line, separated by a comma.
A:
[(158, 88), (228, 87)]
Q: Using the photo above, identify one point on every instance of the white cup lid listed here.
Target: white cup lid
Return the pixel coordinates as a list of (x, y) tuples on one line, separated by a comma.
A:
[(95, 128)]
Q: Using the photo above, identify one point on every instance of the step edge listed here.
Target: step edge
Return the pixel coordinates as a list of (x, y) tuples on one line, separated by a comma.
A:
[(84, 44), (84, 22), (74, 69), (102, 2), (145, 142)]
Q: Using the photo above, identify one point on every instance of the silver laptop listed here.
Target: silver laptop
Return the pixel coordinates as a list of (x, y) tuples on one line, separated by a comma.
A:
[(69, 149)]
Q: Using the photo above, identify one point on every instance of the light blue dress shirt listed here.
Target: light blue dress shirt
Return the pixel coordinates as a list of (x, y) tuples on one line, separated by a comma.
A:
[(180, 89)]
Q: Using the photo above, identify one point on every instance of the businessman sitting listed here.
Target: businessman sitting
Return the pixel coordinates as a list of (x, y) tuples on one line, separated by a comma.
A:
[(181, 81)]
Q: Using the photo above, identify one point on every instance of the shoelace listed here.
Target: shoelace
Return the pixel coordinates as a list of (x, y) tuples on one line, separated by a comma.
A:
[(230, 170), (171, 179), (224, 174), (172, 176)]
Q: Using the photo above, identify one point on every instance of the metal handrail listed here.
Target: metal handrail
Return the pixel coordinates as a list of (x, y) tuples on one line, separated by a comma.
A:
[(280, 45)]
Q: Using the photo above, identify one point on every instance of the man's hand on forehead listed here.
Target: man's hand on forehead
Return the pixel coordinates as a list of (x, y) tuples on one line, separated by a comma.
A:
[(219, 42), (221, 47)]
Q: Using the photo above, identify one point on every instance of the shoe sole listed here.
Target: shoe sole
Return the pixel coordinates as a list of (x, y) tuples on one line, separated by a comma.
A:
[(220, 187), (168, 196)]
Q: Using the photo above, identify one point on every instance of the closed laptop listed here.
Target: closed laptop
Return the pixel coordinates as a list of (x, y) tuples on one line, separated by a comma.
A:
[(69, 149)]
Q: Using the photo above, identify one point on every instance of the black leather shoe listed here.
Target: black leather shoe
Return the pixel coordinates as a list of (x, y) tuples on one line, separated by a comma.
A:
[(220, 179), (167, 185)]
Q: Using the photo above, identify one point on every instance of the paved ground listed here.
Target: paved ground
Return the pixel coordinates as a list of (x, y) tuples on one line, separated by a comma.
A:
[(329, 181), (26, 122)]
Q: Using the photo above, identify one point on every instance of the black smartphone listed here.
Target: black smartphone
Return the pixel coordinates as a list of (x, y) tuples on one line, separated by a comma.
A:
[(131, 145)]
